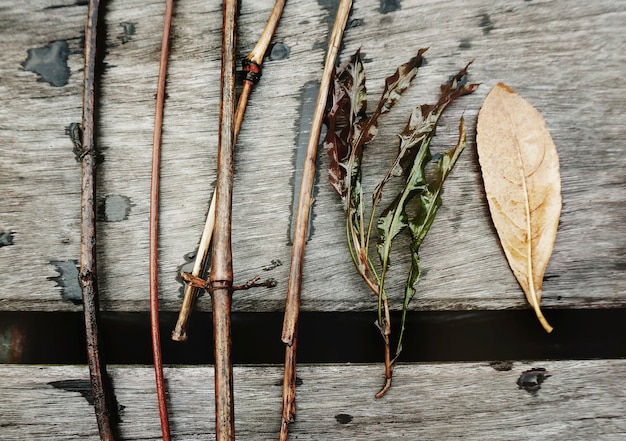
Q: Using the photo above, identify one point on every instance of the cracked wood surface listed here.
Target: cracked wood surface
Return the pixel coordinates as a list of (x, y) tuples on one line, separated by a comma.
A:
[(581, 400), (566, 60)]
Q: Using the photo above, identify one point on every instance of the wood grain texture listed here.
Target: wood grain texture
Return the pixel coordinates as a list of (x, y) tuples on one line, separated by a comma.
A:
[(579, 401), (567, 61)]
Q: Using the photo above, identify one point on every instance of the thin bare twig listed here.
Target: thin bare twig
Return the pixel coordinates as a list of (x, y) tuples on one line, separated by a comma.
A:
[(154, 225), (292, 306), (200, 283), (221, 278), (102, 395), (252, 64)]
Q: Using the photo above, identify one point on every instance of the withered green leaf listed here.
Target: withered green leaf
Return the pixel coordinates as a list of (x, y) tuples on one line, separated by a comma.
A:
[(413, 156), (429, 203), (350, 128), (422, 124)]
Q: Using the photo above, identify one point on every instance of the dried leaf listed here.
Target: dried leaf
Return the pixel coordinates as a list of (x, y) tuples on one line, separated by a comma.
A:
[(349, 104), (428, 195), (349, 129), (422, 125), (520, 169), (413, 155)]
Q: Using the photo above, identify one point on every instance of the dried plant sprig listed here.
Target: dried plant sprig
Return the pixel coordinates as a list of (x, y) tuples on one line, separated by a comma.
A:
[(292, 304), (349, 130), (252, 64), (154, 226), (413, 156), (103, 400)]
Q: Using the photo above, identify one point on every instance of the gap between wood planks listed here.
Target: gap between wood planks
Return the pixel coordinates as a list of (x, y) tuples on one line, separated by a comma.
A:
[(51, 338)]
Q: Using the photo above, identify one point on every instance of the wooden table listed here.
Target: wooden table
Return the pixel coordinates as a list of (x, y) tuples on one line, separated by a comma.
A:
[(566, 58)]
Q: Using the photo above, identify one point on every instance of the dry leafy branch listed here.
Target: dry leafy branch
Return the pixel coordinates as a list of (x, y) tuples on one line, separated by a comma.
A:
[(349, 130)]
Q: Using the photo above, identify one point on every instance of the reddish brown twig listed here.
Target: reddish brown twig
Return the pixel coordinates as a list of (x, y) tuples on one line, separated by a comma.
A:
[(292, 306), (221, 278), (154, 227), (102, 395), (252, 65)]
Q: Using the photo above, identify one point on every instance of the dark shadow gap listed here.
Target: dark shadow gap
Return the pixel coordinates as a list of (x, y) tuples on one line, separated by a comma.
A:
[(57, 338)]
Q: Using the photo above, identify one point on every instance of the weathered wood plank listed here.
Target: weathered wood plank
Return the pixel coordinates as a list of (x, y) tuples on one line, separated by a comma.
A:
[(581, 400), (567, 61)]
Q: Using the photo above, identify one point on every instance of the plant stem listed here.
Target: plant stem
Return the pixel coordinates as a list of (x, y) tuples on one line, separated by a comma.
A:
[(385, 330), (257, 54), (292, 304), (252, 64), (154, 229), (100, 387), (221, 278)]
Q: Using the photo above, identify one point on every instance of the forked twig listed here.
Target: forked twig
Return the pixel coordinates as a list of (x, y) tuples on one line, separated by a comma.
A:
[(221, 278), (252, 65), (102, 395), (200, 283), (292, 306), (154, 225)]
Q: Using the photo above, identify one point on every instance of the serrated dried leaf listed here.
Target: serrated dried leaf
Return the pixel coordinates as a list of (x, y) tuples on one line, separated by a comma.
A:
[(413, 155), (520, 169), (349, 104), (422, 124), (420, 223), (349, 129), (395, 219), (415, 147)]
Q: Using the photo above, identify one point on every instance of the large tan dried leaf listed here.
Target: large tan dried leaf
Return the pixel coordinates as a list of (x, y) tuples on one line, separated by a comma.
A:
[(520, 169)]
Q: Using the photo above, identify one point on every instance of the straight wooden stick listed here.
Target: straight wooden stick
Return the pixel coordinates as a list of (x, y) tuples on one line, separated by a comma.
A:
[(292, 306), (154, 225), (221, 279), (100, 387), (252, 65)]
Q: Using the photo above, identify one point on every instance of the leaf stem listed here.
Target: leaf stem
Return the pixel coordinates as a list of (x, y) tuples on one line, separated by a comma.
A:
[(154, 227)]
